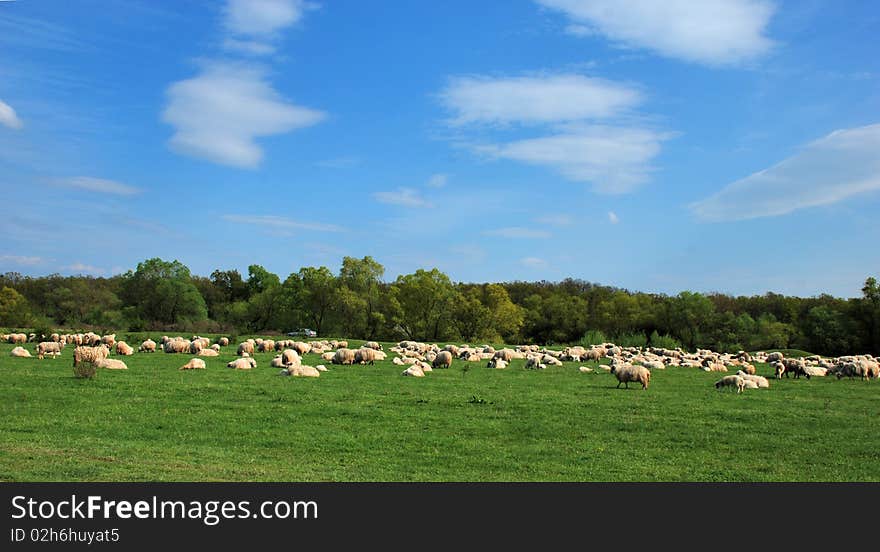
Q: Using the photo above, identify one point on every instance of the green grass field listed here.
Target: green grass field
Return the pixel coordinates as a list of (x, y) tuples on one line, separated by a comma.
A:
[(469, 423)]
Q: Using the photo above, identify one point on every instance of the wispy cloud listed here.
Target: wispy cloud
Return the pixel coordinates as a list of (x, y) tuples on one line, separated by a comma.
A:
[(219, 114), (276, 222), (262, 17), (249, 47), (406, 197), (21, 260), (437, 181), (518, 232), (614, 160), (612, 217), (533, 262), (81, 268), (535, 100), (712, 32), (840, 165), (99, 185), (32, 33), (8, 117)]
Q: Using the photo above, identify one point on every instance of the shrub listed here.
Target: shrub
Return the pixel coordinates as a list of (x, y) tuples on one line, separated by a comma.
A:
[(635, 339), (663, 341), (593, 337), (85, 369)]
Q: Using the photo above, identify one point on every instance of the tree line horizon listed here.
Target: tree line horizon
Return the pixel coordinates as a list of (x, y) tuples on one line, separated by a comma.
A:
[(427, 305)]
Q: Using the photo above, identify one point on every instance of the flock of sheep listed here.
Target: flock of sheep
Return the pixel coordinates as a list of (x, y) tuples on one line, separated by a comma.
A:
[(627, 364)]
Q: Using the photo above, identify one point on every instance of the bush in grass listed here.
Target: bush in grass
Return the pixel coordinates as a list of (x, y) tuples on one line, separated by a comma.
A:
[(43, 332), (85, 369), (663, 341), (592, 337)]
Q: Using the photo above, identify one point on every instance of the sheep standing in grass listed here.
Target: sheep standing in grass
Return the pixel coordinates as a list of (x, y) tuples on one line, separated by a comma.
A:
[(626, 373), (442, 360), (245, 347), (365, 355), (89, 354), (48, 348), (735, 382), (343, 356)]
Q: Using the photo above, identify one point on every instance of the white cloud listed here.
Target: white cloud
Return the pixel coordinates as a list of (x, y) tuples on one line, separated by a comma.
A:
[(406, 197), (8, 117), (281, 223), (712, 32), (535, 100), (437, 181), (518, 232), (219, 114), (533, 262), (835, 167), (262, 17), (99, 185), (249, 47), (614, 159), (612, 217), (80, 268), (20, 260)]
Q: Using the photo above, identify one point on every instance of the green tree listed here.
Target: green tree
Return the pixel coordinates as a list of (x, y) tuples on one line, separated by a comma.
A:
[(690, 315), (311, 294), (870, 314), (426, 300), (362, 278), (264, 305), (14, 308), (163, 293)]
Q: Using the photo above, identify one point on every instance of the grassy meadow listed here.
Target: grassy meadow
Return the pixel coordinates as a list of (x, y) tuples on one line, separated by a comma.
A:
[(469, 423)]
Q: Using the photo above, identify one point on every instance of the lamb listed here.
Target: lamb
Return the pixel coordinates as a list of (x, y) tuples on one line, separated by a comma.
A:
[(442, 360), (194, 364), (245, 347), (110, 364), (534, 363), (626, 373), (343, 356), (244, 363), (148, 346), (20, 352), (124, 349), (731, 381), (48, 347)]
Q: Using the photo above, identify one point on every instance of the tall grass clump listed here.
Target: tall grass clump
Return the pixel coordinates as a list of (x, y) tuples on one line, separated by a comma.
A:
[(593, 337)]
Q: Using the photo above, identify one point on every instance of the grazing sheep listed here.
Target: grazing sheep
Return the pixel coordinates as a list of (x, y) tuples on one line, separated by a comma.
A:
[(413, 371), (109, 340), (365, 355), (774, 357), (245, 347), (731, 381), (177, 346), (20, 352), (301, 347), (267, 346), (442, 360), (110, 364), (148, 346), (244, 363), (626, 373), (343, 356), (290, 357), (194, 364), (124, 349), (223, 341), (196, 346), (48, 347)]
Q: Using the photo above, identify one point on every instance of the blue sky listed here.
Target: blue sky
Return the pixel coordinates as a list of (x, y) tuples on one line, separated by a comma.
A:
[(724, 145)]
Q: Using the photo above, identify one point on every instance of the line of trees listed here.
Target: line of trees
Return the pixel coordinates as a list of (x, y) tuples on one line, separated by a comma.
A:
[(426, 305)]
